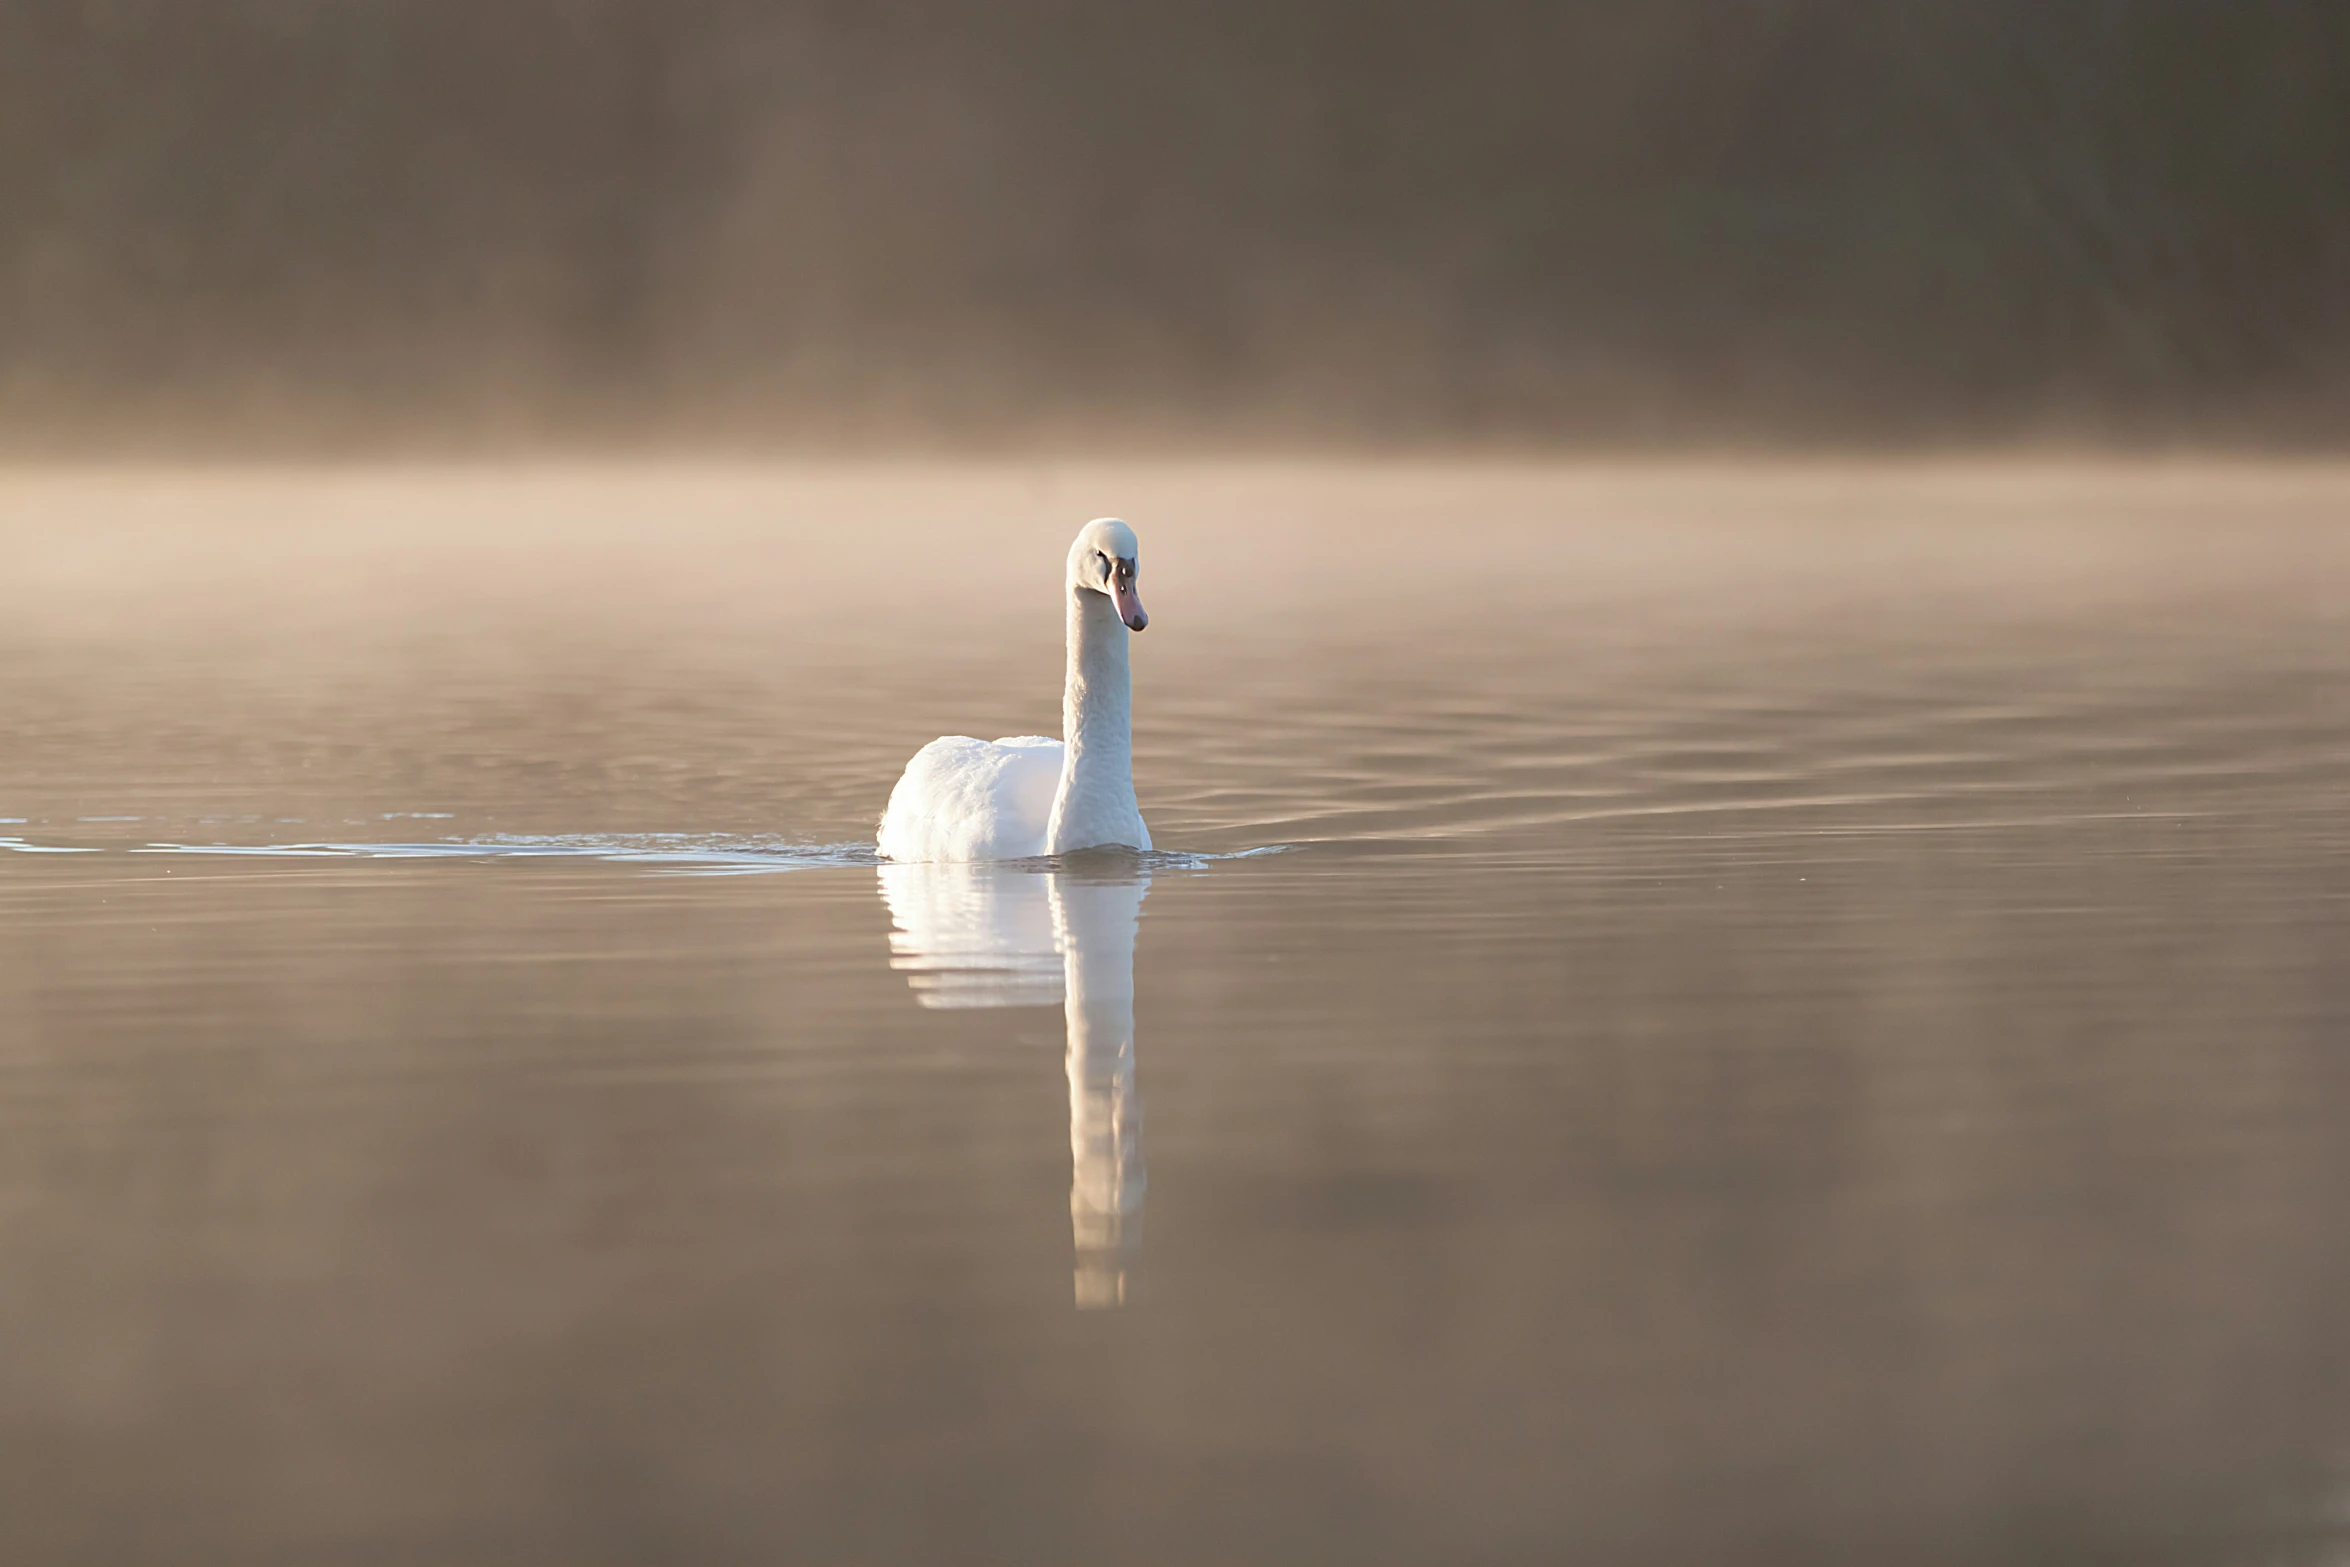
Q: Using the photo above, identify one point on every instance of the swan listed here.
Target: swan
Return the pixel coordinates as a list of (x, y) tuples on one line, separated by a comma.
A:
[(1026, 796)]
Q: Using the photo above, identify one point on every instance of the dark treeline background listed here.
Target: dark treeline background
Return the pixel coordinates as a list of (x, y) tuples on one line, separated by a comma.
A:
[(719, 223)]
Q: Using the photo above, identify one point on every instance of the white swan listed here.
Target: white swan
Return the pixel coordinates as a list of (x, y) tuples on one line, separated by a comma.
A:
[(1012, 799)]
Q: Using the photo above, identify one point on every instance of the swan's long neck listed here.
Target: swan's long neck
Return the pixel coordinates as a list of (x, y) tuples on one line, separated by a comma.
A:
[(1096, 802)]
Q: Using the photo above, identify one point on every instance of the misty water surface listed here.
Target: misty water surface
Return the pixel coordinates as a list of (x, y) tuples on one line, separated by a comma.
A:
[(1798, 1015)]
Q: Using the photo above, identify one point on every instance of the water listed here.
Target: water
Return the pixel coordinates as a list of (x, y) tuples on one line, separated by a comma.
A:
[(1798, 1016)]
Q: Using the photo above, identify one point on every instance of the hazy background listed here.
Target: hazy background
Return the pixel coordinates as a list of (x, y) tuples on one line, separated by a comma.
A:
[(721, 224)]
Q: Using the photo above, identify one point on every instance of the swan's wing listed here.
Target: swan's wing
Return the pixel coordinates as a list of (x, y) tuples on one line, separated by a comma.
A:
[(966, 799)]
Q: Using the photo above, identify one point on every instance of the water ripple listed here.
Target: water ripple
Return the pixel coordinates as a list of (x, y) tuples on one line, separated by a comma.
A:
[(682, 853)]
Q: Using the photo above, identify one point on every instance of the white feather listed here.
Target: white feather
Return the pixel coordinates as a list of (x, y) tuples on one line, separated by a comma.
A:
[(966, 799)]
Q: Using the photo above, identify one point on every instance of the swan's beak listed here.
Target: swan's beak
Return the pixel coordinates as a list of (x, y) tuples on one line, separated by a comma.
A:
[(1129, 606)]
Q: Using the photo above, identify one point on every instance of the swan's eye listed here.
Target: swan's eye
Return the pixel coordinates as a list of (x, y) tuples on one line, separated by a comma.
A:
[(1105, 563)]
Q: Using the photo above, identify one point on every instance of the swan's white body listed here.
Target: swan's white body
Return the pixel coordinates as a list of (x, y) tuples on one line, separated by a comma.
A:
[(1026, 796)]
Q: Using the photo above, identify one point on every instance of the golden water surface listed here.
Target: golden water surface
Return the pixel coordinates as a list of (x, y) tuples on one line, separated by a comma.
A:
[(1799, 1014)]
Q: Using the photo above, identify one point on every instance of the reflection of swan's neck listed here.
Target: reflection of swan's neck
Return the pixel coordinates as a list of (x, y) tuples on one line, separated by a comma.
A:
[(1097, 729), (987, 935), (1095, 928)]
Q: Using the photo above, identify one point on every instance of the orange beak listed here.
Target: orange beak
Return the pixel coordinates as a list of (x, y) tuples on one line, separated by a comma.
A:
[(1129, 606)]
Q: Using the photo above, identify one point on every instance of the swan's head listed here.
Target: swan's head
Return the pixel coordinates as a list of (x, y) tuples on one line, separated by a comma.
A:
[(1104, 560)]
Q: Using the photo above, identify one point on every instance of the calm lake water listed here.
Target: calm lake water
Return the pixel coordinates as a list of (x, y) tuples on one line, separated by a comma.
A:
[(1799, 1015)]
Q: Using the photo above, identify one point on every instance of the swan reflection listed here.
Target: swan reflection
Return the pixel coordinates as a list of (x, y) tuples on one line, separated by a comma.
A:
[(980, 935)]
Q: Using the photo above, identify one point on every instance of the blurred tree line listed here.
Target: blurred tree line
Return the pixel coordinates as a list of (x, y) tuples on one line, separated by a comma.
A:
[(1265, 222)]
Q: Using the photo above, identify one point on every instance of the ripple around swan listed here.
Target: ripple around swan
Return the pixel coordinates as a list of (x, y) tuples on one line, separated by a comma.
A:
[(680, 853), (21, 846), (1732, 760), (677, 853)]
